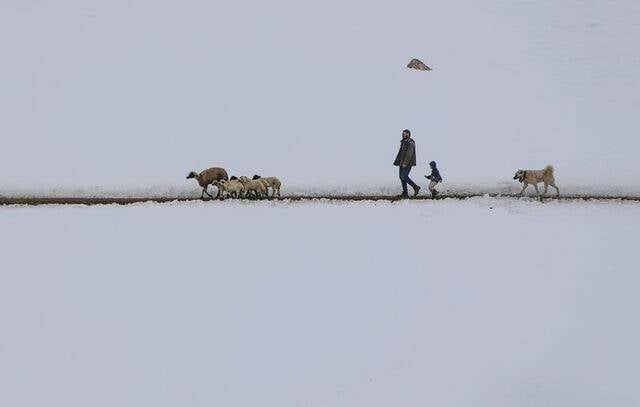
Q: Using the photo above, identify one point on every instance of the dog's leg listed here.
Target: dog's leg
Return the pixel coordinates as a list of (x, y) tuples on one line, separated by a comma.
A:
[(535, 185), (546, 186), (557, 189), (524, 186)]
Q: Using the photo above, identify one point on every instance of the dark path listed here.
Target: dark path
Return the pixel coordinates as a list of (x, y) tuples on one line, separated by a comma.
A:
[(127, 201)]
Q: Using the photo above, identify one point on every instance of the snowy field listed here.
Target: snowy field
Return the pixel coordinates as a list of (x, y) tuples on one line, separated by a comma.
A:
[(478, 302), (481, 302), (127, 97)]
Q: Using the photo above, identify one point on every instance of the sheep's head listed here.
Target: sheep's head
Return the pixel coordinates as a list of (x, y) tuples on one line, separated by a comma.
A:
[(192, 174), (233, 177), (256, 177)]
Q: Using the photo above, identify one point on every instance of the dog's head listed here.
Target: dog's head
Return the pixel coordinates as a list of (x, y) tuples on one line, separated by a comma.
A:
[(519, 175)]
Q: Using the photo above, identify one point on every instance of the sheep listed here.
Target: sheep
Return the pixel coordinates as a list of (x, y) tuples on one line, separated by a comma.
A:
[(221, 189), (206, 177), (272, 182), (233, 188), (257, 187)]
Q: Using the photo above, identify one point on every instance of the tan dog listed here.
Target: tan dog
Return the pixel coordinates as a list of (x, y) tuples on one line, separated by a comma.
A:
[(535, 177)]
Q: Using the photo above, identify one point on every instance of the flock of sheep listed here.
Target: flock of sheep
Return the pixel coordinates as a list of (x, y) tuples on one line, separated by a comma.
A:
[(234, 187)]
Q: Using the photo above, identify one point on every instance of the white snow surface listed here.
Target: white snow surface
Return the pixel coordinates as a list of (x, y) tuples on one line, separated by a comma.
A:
[(131, 95), (481, 302)]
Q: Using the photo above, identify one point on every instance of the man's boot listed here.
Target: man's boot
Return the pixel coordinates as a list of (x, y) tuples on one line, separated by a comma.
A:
[(404, 194), (416, 189)]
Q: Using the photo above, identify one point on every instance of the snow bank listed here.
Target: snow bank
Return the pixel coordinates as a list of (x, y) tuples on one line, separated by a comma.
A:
[(190, 189), (481, 302)]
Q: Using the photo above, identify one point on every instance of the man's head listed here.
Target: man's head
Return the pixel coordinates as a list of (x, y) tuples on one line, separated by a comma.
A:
[(406, 134)]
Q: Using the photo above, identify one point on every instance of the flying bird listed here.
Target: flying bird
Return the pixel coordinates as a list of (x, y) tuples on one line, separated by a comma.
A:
[(418, 64)]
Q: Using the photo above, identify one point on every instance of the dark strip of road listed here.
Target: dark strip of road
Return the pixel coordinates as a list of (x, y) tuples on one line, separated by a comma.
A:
[(32, 201)]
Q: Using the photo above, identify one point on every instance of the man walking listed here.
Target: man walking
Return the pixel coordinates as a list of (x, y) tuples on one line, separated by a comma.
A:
[(406, 159)]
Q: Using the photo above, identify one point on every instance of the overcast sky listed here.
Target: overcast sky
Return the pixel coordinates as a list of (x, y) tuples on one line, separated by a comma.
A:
[(135, 92)]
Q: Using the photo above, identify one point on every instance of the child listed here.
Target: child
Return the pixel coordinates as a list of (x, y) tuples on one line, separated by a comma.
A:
[(434, 177)]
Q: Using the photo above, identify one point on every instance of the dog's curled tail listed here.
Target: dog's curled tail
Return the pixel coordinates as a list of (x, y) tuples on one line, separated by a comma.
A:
[(548, 170)]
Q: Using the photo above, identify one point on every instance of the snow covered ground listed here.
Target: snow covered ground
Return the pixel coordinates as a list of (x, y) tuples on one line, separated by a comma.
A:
[(192, 190), (481, 302), (129, 95)]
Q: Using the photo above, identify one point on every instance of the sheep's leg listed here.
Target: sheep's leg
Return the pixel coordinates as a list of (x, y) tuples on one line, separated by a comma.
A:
[(204, 191)]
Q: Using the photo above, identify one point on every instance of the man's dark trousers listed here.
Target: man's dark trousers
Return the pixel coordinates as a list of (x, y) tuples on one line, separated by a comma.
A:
[(404, 178)]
